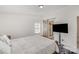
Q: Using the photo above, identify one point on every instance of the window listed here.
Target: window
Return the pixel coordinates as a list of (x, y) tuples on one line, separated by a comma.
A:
[(37, 27)]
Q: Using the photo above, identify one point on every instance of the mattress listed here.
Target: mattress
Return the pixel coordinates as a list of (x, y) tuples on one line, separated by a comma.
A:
[(33, 45)]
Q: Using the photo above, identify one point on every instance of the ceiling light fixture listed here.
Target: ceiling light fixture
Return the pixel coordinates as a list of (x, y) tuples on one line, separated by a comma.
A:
[(41, 6)]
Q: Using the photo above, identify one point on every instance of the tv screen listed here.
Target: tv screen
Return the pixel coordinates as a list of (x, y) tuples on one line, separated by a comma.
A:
[(63, 28)]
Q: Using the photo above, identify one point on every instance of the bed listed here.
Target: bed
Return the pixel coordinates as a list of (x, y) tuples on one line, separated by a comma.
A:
[(28, 45), (33, 45)]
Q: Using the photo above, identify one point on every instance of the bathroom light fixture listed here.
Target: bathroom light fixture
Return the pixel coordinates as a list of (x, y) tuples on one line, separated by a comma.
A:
[(41, 6)]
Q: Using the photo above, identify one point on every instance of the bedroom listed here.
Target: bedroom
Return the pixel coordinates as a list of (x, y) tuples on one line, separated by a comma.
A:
[(26, 21)]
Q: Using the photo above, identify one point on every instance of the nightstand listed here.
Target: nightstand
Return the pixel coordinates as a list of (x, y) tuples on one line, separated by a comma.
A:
[(62, 50), (65, 51)]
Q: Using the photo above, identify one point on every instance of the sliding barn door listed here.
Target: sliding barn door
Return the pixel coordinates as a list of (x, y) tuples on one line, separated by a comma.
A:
[(78, 32), (48, 28)]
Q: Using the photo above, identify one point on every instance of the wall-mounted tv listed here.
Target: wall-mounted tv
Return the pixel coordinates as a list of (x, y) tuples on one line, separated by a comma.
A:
[(62, 28)]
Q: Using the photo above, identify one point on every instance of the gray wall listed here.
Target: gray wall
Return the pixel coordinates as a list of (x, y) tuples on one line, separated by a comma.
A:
[(66, 15), (17, 21)]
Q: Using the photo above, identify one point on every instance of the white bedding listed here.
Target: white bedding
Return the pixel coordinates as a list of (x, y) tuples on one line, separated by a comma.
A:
[(33, 45)]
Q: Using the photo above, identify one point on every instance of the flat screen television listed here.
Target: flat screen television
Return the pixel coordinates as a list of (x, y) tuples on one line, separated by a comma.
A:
[(62, 28)]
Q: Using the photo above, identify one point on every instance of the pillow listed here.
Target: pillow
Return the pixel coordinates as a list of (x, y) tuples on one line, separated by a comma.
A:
[(5, 39), (5, 44)]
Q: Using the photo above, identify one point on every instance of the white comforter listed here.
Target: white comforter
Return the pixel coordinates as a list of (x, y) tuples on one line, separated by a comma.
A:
[(33, 45)]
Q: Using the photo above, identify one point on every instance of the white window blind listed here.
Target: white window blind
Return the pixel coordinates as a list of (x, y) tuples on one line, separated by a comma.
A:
[(37, 27)]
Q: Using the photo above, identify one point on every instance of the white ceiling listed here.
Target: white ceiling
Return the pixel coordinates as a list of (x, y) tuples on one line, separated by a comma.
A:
[(31, 9)]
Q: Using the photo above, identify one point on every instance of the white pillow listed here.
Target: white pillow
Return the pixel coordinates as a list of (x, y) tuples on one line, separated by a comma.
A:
[(5, 39), (5, 45)]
